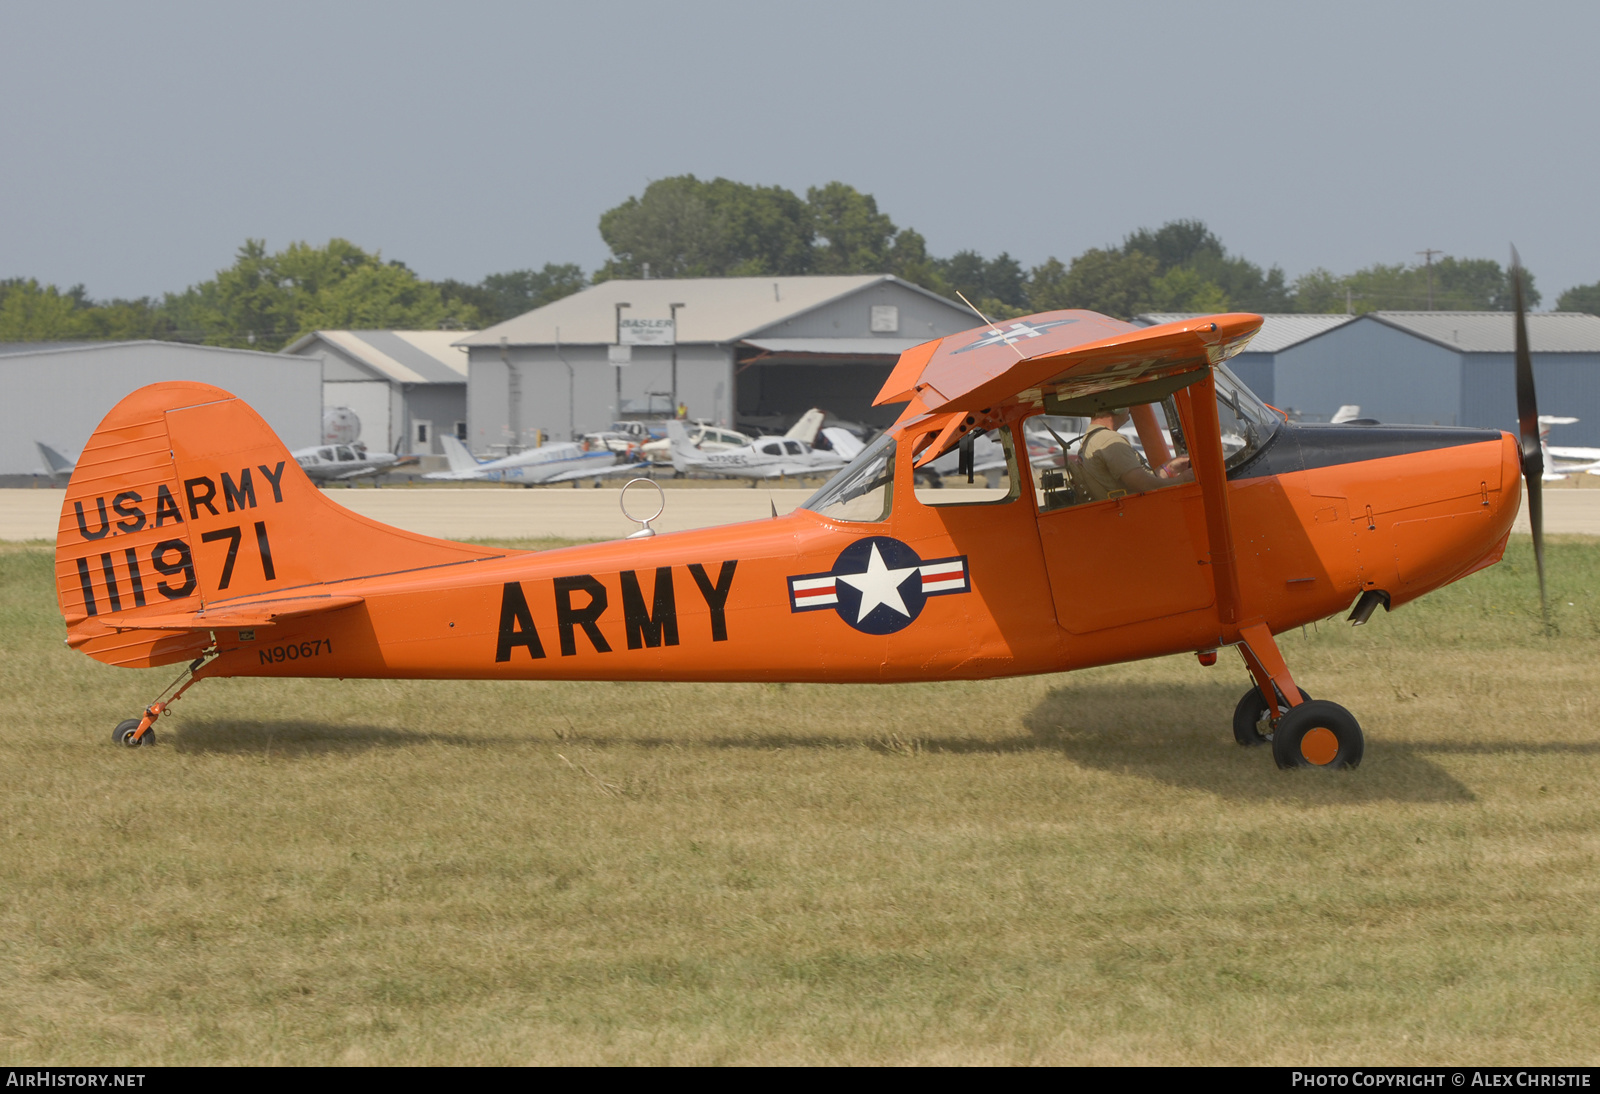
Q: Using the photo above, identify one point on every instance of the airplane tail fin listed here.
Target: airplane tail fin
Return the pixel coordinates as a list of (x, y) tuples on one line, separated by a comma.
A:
[(844, 442), (456, 454), (806, 428), (185, 503), (54, 462), (678, 444)]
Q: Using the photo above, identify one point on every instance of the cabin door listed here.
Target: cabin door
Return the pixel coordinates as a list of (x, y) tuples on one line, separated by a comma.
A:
[(1127, 560)]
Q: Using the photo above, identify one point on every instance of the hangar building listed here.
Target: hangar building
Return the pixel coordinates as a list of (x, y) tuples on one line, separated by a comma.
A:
[(406, 386), (751, 352), (58, 395), (1446, 368), (1256, 366)]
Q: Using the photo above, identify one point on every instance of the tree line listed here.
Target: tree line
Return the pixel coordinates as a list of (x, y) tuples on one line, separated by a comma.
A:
[(688, 227)]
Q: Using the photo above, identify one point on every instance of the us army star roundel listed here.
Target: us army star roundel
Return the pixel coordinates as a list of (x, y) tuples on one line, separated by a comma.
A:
[(878, 585)]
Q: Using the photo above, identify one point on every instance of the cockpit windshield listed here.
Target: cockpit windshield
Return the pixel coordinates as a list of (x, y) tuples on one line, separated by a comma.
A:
[(1247, 423), (863, 490)]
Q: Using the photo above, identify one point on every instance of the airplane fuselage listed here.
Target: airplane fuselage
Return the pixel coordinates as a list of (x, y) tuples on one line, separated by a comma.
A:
[(955, 591)]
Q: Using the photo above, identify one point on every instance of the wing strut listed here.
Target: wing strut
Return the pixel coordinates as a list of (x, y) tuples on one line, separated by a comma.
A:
[(1205, 453)]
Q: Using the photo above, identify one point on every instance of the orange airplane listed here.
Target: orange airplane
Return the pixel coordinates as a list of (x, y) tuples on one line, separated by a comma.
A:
[(188, 534)]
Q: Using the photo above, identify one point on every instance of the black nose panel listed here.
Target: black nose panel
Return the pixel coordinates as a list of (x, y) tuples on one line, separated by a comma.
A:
[(1298, 446)]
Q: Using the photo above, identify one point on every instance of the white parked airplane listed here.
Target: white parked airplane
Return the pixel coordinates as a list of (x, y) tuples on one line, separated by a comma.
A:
[(342, 462), (763, 458), (707, 438), (566, 462), (1562, 460)]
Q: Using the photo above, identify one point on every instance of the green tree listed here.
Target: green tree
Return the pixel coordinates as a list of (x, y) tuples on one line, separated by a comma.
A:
[(503, 296), (997, 286), (265, 301), (30, 312), (1474, 284), (1236, 282), (1584, 298), (683, 227), (909, 260), (1110, 281), (854, 236)]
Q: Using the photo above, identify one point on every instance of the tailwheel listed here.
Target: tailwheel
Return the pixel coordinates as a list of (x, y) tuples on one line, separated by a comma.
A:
[(1317, 733), (127, 734), (1252, 720)]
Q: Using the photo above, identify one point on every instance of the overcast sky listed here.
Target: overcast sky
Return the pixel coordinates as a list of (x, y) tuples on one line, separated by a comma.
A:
[(141, 144)]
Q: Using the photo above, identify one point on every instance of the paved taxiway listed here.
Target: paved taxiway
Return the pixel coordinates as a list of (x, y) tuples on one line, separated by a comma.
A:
[(593, 514)]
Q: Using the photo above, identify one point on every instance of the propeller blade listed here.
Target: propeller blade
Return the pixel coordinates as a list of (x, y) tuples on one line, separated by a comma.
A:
[(1528, 426)]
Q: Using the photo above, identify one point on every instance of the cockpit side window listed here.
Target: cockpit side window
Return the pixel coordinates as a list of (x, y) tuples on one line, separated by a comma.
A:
[(1079, 460), (863, 490), (772, 449)]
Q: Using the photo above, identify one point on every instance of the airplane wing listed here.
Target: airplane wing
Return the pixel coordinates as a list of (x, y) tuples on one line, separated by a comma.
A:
[(1567, 452), (595, 473), (255, 613), (1055, 358)]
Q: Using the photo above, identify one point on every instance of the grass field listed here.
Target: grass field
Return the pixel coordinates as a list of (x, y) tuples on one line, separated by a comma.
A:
[(1070, 869)]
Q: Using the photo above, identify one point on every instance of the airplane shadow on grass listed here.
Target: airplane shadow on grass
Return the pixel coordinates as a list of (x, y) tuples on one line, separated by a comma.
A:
[(1182, 734), (304, 738)]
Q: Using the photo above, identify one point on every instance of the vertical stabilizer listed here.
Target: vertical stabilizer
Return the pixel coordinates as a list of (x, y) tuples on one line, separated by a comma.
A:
[(185, 499)]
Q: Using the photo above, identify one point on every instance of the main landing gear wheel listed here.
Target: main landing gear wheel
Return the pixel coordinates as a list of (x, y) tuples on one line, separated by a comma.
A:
[(1318, 733), (123, 734), (1251, 725)]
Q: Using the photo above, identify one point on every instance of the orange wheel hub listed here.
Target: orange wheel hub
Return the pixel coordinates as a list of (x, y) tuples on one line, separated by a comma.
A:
[(1319, 746)]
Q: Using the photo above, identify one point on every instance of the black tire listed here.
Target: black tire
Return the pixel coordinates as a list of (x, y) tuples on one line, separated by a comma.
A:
[(1302, 740), (123, 734), (1249, 715)]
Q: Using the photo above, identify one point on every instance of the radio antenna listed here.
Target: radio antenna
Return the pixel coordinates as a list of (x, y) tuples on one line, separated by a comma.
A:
[(1020, 355)]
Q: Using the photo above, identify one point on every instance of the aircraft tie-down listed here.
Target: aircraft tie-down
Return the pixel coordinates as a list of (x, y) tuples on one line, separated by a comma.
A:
[(188, 535)]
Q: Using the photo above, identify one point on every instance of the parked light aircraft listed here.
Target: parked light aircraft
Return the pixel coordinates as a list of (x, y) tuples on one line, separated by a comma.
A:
[(553, 463), (343, 462), (705, 437), (1563, 460), (762, 458), (189, 536)]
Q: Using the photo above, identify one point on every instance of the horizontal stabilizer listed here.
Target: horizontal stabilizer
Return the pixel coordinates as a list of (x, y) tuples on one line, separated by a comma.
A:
[(258, 613)]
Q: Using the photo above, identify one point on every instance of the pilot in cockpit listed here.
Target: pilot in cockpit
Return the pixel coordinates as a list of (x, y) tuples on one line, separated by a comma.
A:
[(1112, 466)]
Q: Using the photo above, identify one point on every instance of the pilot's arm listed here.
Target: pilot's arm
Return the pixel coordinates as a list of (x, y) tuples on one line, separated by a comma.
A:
[(1123, 462)]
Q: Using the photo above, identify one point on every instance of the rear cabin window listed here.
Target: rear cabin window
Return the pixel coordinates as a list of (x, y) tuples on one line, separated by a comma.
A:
[(994, 473)]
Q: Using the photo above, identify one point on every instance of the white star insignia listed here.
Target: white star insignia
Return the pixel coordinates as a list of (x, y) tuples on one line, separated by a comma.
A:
[(879, 585)]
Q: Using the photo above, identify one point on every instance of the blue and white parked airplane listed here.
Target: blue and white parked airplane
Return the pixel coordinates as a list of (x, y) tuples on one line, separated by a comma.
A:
[(553, 463)]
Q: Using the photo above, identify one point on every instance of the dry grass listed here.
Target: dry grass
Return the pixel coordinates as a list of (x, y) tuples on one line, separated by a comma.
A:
[(1076, 869)]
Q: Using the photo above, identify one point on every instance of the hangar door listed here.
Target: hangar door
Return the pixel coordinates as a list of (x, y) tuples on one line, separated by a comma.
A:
[(776, 394)]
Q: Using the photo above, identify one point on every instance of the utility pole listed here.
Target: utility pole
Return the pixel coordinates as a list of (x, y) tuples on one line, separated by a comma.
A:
[(513, 398), (617, 413), (674, 309), (1428, 258)]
